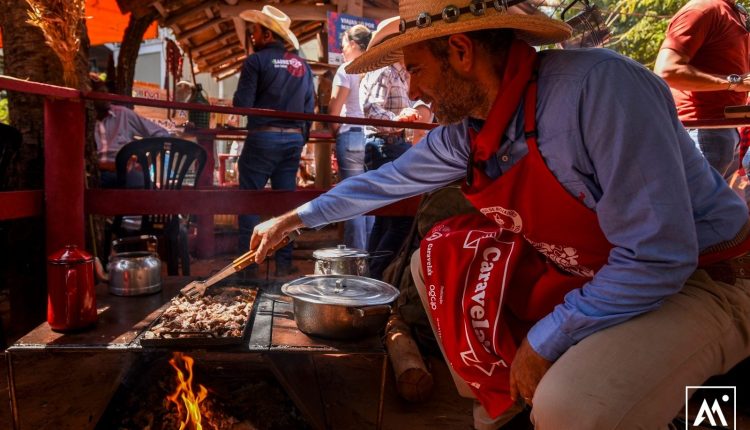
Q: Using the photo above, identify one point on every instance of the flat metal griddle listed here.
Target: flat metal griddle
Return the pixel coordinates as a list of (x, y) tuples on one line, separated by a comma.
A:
[(196, 338)]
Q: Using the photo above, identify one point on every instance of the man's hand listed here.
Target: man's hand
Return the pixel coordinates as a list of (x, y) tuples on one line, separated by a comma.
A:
[(271, 232), (408, 115), (527, 370)]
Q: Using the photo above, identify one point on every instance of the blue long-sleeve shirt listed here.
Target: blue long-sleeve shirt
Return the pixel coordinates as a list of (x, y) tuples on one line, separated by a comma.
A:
[(273, 78), (608, 130)]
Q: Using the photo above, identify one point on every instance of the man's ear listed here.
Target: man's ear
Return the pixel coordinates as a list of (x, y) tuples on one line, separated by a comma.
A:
[(461, 53)]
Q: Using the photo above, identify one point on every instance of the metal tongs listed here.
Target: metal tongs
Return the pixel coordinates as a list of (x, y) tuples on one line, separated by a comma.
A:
[(197, 289)]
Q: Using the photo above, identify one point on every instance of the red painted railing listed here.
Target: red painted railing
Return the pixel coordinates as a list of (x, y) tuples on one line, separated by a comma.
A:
[(64, 202)]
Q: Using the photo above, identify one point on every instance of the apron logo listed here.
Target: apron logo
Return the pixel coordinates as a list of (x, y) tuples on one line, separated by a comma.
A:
[(470, 359), (506, 218), (479, 321), (434, 236), (564, 257)]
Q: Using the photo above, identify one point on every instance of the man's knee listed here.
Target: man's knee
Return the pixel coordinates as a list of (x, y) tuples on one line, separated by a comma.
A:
[(561, 407)]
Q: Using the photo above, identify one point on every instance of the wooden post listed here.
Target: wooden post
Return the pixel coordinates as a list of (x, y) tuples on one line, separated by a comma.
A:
[(205, 241), (64, 141), (323, 172), (413, 381)]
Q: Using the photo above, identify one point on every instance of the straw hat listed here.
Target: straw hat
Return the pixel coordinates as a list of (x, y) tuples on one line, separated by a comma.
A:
[(422, 20), (274, 20)]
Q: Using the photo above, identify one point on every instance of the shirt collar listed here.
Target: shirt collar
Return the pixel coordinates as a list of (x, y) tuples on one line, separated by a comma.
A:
[(512, 132)]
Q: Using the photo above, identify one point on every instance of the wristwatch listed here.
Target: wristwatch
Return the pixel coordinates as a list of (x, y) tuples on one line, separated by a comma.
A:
[(733, 80)]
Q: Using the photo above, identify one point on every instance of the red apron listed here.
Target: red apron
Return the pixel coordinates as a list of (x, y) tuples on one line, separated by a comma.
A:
[(512, 266)]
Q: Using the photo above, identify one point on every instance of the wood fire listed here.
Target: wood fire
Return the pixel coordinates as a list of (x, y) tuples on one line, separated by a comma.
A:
[(187, 401)]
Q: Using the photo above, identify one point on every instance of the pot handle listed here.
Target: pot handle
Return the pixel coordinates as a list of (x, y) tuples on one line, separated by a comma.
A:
[(369, 311)]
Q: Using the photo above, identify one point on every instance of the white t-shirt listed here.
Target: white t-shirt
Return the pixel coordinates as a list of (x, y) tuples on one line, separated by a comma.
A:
[(351, 108)]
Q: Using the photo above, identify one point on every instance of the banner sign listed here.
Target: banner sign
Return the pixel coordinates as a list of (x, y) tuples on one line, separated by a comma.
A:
[(338, 23)]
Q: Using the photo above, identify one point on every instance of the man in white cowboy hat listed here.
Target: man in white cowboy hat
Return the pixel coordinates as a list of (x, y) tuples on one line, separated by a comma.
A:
[(272, 78), (607, 270)]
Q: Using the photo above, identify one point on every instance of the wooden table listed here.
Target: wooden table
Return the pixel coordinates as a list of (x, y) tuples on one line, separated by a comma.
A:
[(70, 364)]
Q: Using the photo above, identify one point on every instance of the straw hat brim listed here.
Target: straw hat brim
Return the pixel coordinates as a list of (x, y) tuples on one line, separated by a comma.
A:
[(259, 17), (534, 29)]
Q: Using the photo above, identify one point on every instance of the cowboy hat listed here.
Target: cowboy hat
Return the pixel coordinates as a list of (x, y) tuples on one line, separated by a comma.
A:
[(274, 20), (423, 20)]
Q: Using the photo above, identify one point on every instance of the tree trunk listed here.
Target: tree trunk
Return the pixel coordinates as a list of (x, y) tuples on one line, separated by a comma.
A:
[(131, 44)]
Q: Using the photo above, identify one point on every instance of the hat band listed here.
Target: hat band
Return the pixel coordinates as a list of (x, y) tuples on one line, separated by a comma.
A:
[(451, 13)]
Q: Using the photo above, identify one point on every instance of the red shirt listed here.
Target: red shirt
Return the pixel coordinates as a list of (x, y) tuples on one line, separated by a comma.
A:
[(712, 33)]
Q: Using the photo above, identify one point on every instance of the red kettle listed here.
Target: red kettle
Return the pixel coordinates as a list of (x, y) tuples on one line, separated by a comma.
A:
[(71, 299)]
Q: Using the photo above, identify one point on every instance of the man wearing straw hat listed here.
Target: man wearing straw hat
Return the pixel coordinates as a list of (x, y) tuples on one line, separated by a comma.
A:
[(272, 78), (607, 270)]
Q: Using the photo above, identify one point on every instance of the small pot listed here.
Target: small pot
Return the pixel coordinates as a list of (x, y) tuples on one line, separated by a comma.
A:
[(341, 261), (135, 273), (340, 306)]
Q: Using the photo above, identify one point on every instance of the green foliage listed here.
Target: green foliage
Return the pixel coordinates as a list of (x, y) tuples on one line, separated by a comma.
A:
[(637, 26), (4, 114)]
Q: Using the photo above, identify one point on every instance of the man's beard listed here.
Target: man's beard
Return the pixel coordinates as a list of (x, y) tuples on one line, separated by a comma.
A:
[(459, 97)]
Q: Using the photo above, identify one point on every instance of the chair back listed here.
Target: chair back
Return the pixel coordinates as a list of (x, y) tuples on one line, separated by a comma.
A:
[(164, 163), (10, 142)]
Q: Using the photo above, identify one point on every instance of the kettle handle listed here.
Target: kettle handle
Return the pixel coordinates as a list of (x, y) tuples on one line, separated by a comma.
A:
[(72, 298)]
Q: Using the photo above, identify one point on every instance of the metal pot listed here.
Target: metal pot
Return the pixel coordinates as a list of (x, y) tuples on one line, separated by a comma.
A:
[(340, 306), (341, 261), (135, 273)]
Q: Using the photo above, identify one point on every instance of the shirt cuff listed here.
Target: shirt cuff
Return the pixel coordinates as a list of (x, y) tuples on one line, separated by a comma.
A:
[(546, 338), (310, 215)]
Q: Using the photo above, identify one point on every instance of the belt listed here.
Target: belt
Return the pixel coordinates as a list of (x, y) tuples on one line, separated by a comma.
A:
[(275, 129), (730, 270)]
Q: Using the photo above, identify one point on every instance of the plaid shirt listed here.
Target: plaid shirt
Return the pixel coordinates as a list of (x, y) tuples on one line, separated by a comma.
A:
[(384, 93)]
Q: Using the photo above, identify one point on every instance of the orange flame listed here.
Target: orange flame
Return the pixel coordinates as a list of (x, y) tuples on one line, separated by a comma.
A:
[(188, 403)]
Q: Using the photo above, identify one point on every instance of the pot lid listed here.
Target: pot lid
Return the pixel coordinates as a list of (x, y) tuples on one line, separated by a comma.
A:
[(69, 254), (346, 290), (339, 252)]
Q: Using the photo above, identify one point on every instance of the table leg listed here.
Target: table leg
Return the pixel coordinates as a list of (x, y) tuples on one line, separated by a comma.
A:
[(381, 397)]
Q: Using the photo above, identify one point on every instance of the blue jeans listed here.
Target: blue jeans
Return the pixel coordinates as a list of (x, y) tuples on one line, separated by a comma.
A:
[(350, 153), (718, 145), (388, 233), (268, 155)]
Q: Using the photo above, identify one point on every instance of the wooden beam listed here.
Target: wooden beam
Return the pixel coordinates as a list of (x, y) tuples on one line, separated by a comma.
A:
[(196, 30), (296, 12), (228, 74), (212, 42), (351, 7), (226, 66), (174, 18), (228, 51), (219, 64)]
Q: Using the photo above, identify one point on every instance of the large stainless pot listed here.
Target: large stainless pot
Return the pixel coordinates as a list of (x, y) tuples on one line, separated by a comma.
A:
[(340, 306), (341, 261), (134, 273)]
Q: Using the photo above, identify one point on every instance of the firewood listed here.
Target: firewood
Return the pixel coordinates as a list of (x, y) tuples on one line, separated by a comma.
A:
[(413, 381)]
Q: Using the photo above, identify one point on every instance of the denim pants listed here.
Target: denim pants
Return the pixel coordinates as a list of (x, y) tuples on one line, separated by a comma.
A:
[(388, 233), (718, 145), (268, 155), (350, 153)]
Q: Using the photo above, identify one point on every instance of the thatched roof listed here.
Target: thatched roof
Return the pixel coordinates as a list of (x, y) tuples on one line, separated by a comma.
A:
[(216, 38)]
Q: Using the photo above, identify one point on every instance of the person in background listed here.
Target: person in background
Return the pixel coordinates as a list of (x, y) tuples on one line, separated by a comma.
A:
[(350, 139), (116, 126), (606, 267), (425, 115), (704, 59), (384, 94), (272, 78)]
